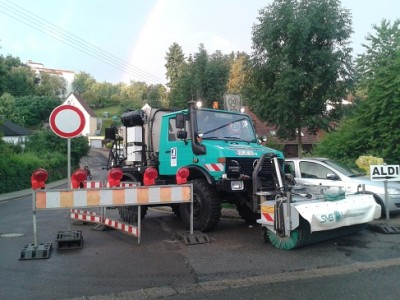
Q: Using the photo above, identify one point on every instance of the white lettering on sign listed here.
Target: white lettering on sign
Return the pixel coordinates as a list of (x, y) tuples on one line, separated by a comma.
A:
[(385, 172), (174, 157)]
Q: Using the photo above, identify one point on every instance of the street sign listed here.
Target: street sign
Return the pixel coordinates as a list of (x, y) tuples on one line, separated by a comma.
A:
[(67, 121), (385, 172), (232, 102)]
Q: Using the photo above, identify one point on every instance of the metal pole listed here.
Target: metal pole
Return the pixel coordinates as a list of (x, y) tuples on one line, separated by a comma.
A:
[(35, 239), (191, 210), (139, 208), (69, 162), (386, 201)]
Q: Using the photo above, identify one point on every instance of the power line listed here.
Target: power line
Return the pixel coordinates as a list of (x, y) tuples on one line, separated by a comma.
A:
[(40, 24)]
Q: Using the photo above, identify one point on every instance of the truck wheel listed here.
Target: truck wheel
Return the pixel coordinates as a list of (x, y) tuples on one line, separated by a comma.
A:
[(176, 210), (247, 214), (206, 207), (129, 214)]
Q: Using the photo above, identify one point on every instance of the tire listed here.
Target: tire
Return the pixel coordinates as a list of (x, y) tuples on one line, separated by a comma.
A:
[(129, 214), (206, 207), (382, 204), (247, 214), (176, 210)]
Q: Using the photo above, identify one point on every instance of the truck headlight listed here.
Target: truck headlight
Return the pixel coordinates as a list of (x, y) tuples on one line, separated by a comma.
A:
[(237, 185)]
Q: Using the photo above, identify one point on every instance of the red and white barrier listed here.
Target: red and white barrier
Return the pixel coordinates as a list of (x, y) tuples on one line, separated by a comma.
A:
[(92, 217), (102, 197)]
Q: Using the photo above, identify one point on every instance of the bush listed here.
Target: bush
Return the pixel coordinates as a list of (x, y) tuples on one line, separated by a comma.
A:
[(43, 150)]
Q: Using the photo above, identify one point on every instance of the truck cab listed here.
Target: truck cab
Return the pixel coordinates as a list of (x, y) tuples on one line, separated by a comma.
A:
[(220, 145)]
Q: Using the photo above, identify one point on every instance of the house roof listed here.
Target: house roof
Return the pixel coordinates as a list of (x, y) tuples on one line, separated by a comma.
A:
[(263, 128), (84, 105), (9, 128)]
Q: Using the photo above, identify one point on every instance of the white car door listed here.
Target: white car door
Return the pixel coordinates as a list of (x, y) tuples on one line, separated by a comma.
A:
[(317, 177)]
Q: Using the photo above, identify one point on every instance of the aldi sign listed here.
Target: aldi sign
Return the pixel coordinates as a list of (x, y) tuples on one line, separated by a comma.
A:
[(385, 172)]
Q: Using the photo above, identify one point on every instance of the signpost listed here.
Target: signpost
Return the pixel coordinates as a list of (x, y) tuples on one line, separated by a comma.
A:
[(67, 121), (385, 173)]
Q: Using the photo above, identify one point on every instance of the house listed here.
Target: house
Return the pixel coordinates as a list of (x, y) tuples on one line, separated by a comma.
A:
[(290, 147), (39, 68), (90, 128), (13, 133)]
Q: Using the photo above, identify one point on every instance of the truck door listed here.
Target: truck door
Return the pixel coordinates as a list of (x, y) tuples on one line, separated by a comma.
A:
[(174, 152)]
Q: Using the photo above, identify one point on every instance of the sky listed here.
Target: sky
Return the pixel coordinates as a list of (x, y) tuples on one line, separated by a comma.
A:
[(122, 40)]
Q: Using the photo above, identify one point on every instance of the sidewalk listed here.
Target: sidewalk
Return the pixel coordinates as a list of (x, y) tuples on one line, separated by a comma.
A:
[(27, 192)]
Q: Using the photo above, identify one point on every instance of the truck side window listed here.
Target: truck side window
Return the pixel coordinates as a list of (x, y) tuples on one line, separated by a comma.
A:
[(289, 168), (172, 130)]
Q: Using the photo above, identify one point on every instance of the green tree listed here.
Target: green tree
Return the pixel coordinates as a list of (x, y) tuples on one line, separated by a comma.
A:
[(6, 64), (301, 60), (35, 110), (82, 83), (175, 64), (45, 141), (51, 86), (237, 74), (157, 95), (373, 127), (202, 77), (199, 67), (21, 81), (216, 78), (133, 95), (8, 109)]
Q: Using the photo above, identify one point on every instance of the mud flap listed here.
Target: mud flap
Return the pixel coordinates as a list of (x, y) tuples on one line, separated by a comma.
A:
[(192, 239)]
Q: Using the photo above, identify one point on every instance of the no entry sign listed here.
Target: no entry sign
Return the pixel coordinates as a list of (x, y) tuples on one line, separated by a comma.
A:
[(67, 121)]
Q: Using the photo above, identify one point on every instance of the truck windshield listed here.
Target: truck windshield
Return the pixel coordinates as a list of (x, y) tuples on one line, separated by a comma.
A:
[(225, 126)]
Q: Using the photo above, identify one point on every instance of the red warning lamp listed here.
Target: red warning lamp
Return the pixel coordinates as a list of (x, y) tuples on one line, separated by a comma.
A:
[(182, 175), (150, 175), (114, 177), (77, 179), (38, 179)]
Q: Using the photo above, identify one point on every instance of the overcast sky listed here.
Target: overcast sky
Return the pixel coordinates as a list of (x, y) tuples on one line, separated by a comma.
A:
[(122, 40)]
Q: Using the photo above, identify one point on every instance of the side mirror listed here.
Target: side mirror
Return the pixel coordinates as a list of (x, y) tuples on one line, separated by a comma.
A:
[(180, 121), (110, 133), (332, 176), (182, 134)]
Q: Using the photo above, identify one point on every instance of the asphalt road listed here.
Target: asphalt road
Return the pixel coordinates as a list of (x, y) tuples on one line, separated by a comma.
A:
[(237, 264)]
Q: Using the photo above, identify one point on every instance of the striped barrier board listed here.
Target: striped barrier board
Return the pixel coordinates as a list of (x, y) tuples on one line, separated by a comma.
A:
[(86, 217), (127, 228), (93, 218), (141, 195), (86, 212), (95, 184), (124, 184), (106, 197)]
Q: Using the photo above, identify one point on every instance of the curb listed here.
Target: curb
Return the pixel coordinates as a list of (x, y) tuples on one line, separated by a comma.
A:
[(23, 193)]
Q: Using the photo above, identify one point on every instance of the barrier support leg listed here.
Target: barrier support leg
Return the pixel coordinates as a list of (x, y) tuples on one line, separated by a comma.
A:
[(192, 238), (139, 209), (35, 250), (35, 239), (191, 215)]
